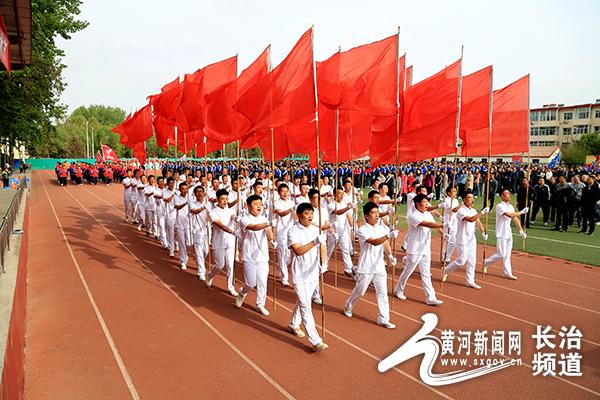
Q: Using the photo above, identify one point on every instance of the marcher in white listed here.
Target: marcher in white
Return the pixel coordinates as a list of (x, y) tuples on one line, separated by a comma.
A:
[(284, 211), (141, 202), (466, 242), (302, 196), (183, 225), (169, 194), (451, 206), (305, 241), (223, 240), (505, 212), (342, 226), (321, 221), (198, 215), (418, 251), (161, 212), (371, 265), (126, 196), (255, 254), (150, 207), (133, 197)]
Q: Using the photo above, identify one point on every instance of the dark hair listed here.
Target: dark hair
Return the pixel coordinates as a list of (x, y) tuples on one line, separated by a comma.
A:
[(415, 183), (257, 183), (384, 184), (449, 188), (503, 189), (369, 205), (419, 198), (182, 184), (159, 178), (198, 187), (303, 207), (170, 179), (221, 192), (282, 186), (419, 188), (150, 176), (252, 198), (466, 193), (312, 192), (372, 193)]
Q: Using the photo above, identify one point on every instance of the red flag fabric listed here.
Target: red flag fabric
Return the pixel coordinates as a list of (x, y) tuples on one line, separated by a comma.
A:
[(409, 75), (361, 79), (354, 136), (510, 122), (167, 102), (120, 130), (286, 94), (109, 154), (164, 132), (197, 85), (99, 158), (204, 145), (4, 46), (224, 123), (139, 152), (475, 111), (139, 127)]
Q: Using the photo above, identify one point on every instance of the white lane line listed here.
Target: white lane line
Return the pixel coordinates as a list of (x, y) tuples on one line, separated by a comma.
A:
[(221, 336), (107, 335)]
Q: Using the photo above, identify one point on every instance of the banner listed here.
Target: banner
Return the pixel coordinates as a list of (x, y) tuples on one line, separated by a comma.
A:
[(4, 45)]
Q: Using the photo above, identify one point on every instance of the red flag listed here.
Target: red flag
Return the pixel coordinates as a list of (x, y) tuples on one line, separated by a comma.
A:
[(354, 136), (361, 79), (139, 127), (510, 122), (204, 145), (475, 111), (197, 85), (99, 158), (409, 75), (139, 152), (109, 154), (286, 94), (224, 123), (167, 102), (4, 45), (164, 131), (120, 130)]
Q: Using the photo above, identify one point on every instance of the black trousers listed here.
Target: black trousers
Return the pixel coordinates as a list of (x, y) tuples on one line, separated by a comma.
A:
[(545, 210), (562, 218), (587, 219)]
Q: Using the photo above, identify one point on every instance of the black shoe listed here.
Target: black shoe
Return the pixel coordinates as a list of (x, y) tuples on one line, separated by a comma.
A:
[(556, 229), (581, 231), (590, 233)]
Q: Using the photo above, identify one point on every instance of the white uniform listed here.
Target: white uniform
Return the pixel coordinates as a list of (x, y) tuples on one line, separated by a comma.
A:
[(305, 276), (199, 235), (466, 244), (150, 209), (255, 255), (126, 197), (183, 227), (385, 208), (170, 215), (160, 217), (223, 244), (418, 253), (410, 208), (342, 229), (504, 238), (450, 226), (371, 268), (133, 198), (302, 199), (141, 202), (282, 227)]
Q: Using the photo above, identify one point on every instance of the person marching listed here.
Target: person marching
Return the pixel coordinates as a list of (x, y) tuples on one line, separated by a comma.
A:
[(284, 210), (223, 240), (169, 194), (141, 201), (323, 221), (341, 220), (161, 212), (305, 241), (255, 254), (199, 231), (505, 212), (133, 198), (451, 206), (418, 251), (466, 242), (371, 265), (126, 196), (183, 224), (150, 208)]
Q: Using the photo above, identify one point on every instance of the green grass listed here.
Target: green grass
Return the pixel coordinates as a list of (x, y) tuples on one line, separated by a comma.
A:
[(540, 239)]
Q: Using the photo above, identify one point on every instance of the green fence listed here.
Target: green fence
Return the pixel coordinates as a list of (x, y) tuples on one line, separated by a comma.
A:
[(50, 163)]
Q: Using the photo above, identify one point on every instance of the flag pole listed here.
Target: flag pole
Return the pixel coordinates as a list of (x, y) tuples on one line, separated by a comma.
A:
[(456, 133), (489, 169), (526, 219), (397, 159), (321, 280), (208, 230), (337, 132)]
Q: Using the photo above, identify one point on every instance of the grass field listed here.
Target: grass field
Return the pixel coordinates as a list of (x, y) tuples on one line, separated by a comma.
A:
[(541, 240)]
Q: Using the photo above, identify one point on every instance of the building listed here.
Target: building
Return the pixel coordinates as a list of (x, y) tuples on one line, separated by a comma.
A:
[(16, 15), (556, 124)]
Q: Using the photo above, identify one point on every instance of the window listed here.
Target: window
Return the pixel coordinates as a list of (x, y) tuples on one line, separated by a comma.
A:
[(547, 130), (597, 114), (565, 142), (543, 115), (534, 115), (566, 131), (533, 143), (534, 131), (551, 115), (535, 161), (580, 129), (597, 129), (583, 113), (567, 116)]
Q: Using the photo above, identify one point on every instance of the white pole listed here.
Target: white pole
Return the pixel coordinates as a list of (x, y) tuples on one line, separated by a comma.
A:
[(87, 141), (93, 147)]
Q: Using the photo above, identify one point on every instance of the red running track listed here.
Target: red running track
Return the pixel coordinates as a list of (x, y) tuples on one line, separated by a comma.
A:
[(109, 315)]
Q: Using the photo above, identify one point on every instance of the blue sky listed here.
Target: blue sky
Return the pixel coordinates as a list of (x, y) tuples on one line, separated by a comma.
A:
[(132, 48)]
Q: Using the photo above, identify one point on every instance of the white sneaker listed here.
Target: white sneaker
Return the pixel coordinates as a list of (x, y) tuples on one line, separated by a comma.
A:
[(317, 300), (233, 292), (514, 278), (319, 347), (445, 278), (239, 300), (139, 227), (400, 295), (473, 285), (171, 255), (434, 302), (263, 311), (201, 278), (183, 267), (296, 331), (347, 312), (387, 325), (209, 282), (285, 283), (484, 269), (393, 260)]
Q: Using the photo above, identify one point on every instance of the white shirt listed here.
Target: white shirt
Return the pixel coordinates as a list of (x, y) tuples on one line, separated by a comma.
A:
[(302, 199), (198, 220), (140, 193), (340, 222), (211, 194), (170, 211), (503, 229), (133, 188), (126, 183), (182, 219), (150, 201), (324, 217), (283, 224), (305, 268), (226, 216), (465, 233), (418, 239), (410, 204), (449, 216), (160, 204), (371, 257), (255, 247)]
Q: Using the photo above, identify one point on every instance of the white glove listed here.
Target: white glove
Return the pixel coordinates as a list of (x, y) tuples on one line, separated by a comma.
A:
[(485, 211), (393, 234), (446, 236), (523, 234), (274, 244), (393, 260), (350, 205), (524, 211), (322, 238), (485, 236), (430, 196), (399, 200)]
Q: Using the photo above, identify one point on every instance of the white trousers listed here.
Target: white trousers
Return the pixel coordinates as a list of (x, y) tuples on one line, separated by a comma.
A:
[(410, 262), (133, 207), (184, 240), (201, 250), (302, 312), (467, 255), (345, 245), (256, 275), (140, 213), (170, 233), (127, 204), (450, 245), (503, 252), (380, 283), (223, 258), (151, 222), (284, 256), (162, 230)]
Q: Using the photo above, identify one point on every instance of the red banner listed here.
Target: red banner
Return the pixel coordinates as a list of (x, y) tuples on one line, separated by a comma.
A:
[(4, 45)]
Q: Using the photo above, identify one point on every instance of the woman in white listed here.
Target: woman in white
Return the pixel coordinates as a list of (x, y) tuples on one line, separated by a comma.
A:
[(255, 254), (505, 212), (466, 242), (198, 216), (371, 265), (418, 250), (284, 212), (150, 207), (305, 241)]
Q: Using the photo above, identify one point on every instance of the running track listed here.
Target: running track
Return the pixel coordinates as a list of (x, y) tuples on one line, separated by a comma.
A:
[(109, 315)]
